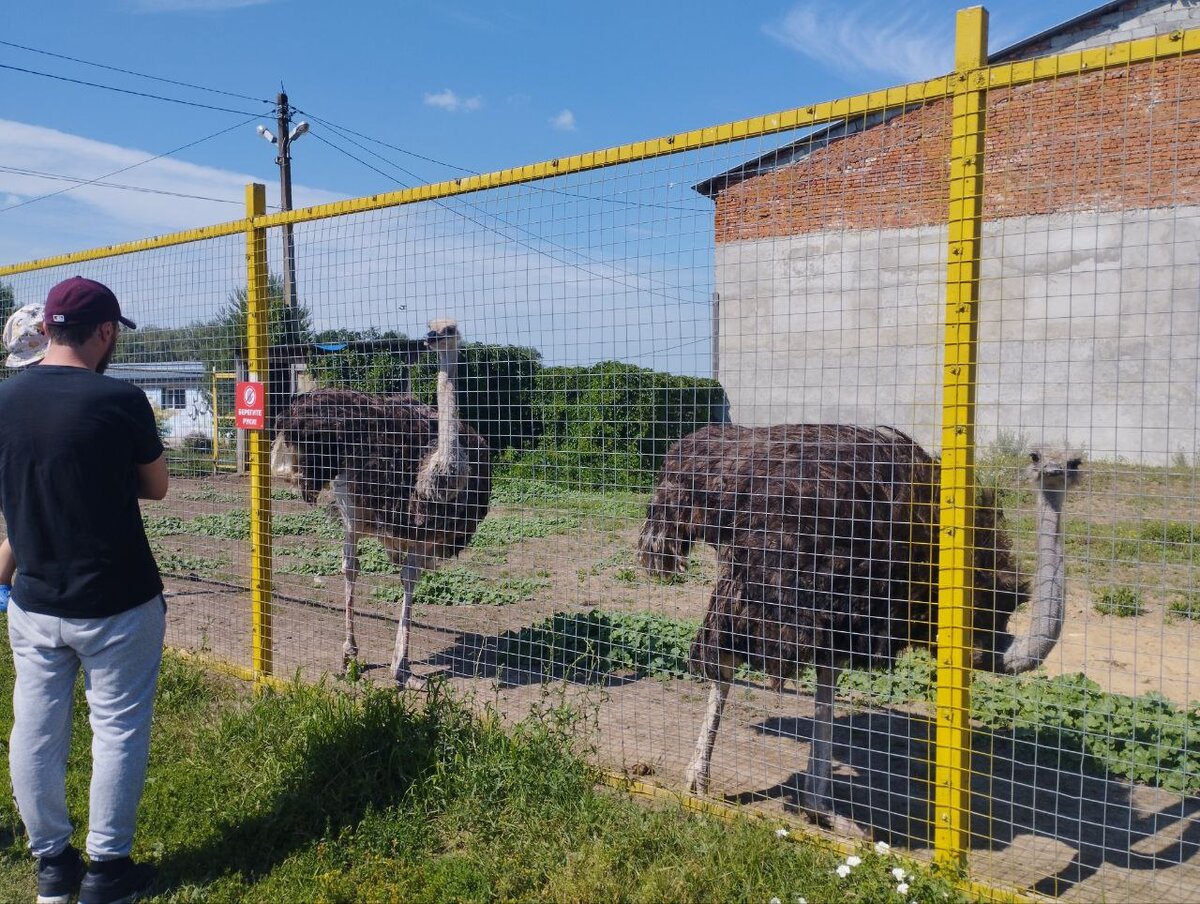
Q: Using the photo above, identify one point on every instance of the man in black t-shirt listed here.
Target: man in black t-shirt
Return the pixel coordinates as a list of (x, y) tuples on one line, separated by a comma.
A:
[(77, 452)]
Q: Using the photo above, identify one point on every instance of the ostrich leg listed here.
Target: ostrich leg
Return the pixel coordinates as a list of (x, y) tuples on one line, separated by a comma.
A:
[(350, 572), (698, 771), (345, 506), (818, 800), (414, 567)]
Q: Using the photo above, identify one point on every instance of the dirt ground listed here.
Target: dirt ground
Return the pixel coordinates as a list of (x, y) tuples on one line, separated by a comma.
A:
[(1058, 831)]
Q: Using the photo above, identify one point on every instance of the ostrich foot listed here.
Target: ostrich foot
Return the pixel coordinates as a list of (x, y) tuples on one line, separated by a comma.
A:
[(696, 780), (836, 823), (406, 680)]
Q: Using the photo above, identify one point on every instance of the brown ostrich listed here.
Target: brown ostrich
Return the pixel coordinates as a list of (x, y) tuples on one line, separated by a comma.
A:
[(414, 477), (826, 537)]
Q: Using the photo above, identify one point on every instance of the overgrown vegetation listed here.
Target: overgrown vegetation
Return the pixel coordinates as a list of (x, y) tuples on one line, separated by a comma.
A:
[(1123, 602), (587, 646), (458, 586)]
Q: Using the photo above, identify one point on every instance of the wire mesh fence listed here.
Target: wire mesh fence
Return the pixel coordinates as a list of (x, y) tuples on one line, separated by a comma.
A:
[(546, 429)]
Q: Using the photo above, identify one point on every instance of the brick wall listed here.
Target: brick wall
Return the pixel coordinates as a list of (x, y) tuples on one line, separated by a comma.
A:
[(1115, 140)]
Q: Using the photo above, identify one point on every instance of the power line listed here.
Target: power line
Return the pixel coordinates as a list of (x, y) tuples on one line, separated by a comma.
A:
[(156, 78), (536, 250), (173, 100), (535, 187), (126, 169), (62, 177), (334, 126)]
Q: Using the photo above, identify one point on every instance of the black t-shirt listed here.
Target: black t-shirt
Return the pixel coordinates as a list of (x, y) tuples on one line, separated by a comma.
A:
[(70, 443)]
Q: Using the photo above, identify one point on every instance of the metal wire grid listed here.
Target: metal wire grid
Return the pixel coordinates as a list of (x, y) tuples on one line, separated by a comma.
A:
[(813, 289)]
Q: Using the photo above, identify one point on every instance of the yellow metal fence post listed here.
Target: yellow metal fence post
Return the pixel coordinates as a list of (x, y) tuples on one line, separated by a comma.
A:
[(951, 796), (257, 338)]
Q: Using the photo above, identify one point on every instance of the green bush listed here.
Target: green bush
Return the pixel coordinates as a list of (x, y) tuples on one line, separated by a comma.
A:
[(496, 390), (609, 425)]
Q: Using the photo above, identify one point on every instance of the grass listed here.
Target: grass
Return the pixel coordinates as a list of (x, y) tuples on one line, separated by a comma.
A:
[(505, 530), (1123, 602), (456, 586), (615, 505), (172, 562), (336, 794), (1185, 605)]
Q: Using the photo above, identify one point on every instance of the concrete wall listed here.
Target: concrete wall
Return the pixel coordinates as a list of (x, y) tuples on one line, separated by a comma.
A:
[(1129, 21), (1089, 332)]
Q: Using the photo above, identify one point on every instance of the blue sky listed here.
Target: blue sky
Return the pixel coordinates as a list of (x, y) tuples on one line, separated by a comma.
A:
[(479, 86)]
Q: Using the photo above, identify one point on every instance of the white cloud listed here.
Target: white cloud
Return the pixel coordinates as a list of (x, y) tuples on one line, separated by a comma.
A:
[(564, 121), (187, 6), (878, 37), (101, 214), (452, 103)]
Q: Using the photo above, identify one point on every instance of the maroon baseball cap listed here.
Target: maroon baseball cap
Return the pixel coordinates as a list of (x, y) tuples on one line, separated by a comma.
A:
[(79, 300)]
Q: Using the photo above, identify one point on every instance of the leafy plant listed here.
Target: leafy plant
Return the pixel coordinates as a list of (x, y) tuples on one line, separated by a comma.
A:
[(171, 562), (1186, 605), (459, 586), (1124, 602), (505, 530), (590, 645)]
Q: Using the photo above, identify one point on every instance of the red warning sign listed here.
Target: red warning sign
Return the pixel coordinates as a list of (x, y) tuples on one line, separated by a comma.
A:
[(249, 404)]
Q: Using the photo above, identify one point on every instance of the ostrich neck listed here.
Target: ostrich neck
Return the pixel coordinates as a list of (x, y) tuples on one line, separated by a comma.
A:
[(447, 407), (1049, 590)]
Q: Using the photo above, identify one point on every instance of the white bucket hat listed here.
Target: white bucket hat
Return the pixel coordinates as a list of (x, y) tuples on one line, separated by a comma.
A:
[(23, 336)]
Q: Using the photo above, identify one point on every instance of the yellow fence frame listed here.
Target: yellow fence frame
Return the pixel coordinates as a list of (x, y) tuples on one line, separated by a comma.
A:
[(966, 88)]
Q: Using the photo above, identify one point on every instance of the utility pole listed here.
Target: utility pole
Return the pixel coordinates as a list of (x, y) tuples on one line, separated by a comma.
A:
[(283, 138), (284, 160)]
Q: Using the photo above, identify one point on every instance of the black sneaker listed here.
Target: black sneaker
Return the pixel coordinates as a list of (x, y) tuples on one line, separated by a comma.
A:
[(59, 876), (116, 881)]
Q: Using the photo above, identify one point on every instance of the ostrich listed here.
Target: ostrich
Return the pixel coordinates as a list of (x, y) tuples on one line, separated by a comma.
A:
[(414, 477), (826, 538)]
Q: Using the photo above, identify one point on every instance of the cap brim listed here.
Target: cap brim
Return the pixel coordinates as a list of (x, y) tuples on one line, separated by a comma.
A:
[(128, 323)]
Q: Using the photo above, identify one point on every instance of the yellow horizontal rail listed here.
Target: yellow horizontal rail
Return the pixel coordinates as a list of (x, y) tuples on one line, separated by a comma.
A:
[(234, 227), (1175, 44), (1077, 62)]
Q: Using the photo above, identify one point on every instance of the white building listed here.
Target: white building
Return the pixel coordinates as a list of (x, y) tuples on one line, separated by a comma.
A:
[(180, 390)]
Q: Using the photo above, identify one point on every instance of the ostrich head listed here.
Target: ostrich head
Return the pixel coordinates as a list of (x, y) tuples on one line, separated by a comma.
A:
[(443, 337), (285, 465), (999, 590)]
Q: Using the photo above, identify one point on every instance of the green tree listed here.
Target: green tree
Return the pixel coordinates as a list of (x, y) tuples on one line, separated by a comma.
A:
[(8, 302), (496, 387)]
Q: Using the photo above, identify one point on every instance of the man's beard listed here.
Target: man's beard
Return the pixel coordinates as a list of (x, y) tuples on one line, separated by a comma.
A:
[(102, 365)]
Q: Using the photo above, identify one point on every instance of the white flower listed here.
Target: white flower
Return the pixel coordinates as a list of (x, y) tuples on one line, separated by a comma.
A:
[(899, 874), (853, 860), (782, 833), (902, 888), (882, 847), (843, 871), (774, 901)]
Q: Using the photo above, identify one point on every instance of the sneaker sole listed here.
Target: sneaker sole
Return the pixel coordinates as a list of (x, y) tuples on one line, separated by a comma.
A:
[(54, 899)]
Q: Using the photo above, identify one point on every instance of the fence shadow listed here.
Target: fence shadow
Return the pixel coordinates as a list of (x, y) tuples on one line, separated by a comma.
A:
[(882, 781)]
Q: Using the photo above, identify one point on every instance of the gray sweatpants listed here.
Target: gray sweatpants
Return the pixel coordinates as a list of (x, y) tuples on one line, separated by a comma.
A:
[(120, 656)]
